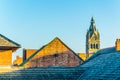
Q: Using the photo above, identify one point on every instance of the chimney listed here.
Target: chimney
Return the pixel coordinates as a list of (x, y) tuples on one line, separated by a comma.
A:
[(117, 44)]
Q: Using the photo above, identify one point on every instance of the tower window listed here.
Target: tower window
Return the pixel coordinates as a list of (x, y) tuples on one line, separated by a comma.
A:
[(91, 46), (97, 46), (94, 46)]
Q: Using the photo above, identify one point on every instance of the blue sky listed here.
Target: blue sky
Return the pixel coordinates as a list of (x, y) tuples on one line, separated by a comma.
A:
[(34, 23)]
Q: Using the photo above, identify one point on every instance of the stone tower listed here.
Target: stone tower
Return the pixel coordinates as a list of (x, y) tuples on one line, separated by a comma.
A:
[(92, 39)]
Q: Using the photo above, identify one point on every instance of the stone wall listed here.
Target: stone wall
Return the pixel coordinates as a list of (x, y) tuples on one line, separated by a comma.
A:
[(27, 53), (18, 61), (117, 44), (84, 56), (5, 57)]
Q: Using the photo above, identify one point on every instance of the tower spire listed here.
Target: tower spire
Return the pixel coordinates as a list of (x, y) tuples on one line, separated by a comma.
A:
[(92, 25), (92, 39)]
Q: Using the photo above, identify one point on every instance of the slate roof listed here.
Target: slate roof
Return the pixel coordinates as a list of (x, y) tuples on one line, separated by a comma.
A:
[(103, 65), (55, 73), (5, 42), (47, 45)]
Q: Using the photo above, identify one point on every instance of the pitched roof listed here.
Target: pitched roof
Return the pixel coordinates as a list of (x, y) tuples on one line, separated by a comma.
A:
[(55, 39), (103, 65), (5, 42)]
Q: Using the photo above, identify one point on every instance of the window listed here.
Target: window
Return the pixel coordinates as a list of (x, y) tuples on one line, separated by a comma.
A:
[(56, 55), (97, 46), (94, 46), (91, 46)]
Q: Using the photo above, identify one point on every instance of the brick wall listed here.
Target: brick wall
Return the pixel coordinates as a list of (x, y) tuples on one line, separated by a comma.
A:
[(54, 54), (67, 59)]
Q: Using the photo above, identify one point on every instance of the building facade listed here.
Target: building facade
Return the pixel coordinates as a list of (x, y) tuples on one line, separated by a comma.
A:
[(7, 47), (18, 61), (27, 53), (55, 53)]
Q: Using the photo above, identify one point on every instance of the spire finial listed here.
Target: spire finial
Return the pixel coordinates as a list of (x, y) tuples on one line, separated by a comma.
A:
[(92, 19)]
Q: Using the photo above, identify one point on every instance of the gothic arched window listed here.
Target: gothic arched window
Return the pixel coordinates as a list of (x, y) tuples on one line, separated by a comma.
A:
[(91, 46), (94, 46), (97, 46)]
